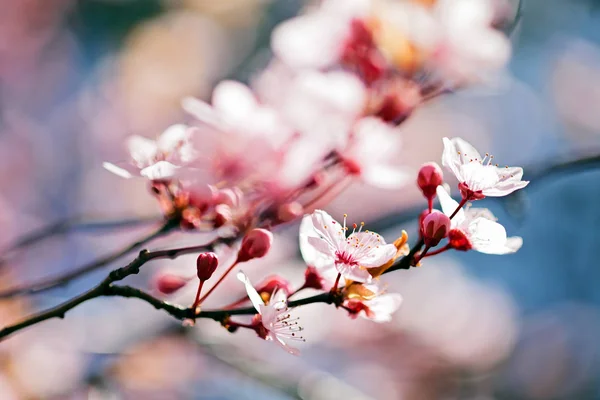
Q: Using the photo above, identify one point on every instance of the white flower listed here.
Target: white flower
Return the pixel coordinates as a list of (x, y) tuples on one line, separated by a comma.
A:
[(350, 255), (477, 229), (476, 175), (371, 149), (275, 316), (317, 40), (157, 159), (379, 308)]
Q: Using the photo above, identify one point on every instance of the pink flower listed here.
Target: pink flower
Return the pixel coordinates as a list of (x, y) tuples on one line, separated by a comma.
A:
[(379, 308), (477, 229), (469, 48), (317, 40), (157, 159), (350, 255), (241, 136), (476, 175), (370, 153), (275, 317)]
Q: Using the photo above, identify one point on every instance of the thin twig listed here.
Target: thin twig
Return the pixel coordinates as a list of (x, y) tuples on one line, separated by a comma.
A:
[(65, 278), (107, 288)]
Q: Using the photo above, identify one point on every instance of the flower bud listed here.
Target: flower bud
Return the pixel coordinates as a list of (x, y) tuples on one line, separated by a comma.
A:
[(206, 264), (435, 227), (290, 211), (169, 283), (255, 244), (429, 178), (271, 283), (458, 240), (313, 279)]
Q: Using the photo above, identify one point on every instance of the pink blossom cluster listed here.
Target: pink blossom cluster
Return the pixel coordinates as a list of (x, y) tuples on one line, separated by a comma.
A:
[(325, 111)]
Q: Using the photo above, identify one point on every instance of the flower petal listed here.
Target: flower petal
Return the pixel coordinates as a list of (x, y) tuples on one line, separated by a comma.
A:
[(449, 206), (122, 172), (142, 150), (255, 298), (383, 306), (160, 170)]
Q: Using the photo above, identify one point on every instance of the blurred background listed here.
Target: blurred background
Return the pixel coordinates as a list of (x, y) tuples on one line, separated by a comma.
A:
[(77, 77)]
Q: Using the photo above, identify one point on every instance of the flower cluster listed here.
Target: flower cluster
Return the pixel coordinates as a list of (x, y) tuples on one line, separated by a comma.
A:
[(324, 112)]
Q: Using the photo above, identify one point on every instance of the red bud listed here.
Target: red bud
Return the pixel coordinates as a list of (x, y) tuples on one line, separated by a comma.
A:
[(206, 265), (256, 244)]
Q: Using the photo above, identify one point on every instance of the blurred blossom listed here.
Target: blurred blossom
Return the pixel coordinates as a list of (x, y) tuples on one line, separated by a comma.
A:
[(576, 90)]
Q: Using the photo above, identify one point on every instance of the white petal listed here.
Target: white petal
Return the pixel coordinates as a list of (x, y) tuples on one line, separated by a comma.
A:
[(378, 256), (202, 111), (449, 206), (255, 298), (292, 350), (514, 243), (383, 306), (160, 170), (328, 228), (322, 246), (313, 41), (123, 173), (142, 150), (353, 273), (487, 236), (234, 101), (467, 151), (451, 159), (311, 256), (173, 137)]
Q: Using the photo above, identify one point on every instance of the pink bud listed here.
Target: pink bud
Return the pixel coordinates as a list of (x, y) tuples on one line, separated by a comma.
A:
[(290, 211), (169, 283), (312, 279), (435, 227), (430, 177), (273, 282), (255, 244), (206, 264)]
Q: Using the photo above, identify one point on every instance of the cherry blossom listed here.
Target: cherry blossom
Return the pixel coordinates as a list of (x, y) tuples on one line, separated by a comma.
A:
[(371, 151), (350, 255), (318, 39), (477, 176), (378, 306), (275, 317), (157, 159), (476, 228)]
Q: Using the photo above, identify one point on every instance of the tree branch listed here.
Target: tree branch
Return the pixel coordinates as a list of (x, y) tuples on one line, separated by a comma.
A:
[(107, 288), (60, 280)]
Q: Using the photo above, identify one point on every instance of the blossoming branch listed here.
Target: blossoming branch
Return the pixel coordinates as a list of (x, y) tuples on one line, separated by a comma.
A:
[(324, 113)]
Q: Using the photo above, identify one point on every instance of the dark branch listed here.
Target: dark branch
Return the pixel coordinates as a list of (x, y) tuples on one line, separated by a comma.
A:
[(107, 288)]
